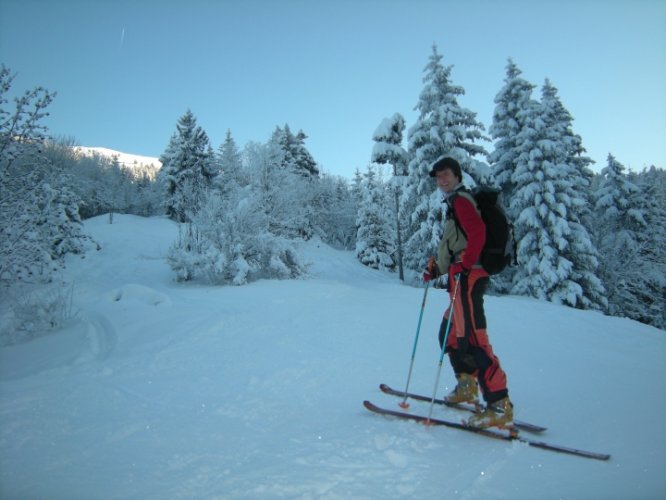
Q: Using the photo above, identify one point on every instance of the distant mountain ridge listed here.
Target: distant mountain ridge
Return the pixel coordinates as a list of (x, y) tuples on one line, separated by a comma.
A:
[(127, 160)]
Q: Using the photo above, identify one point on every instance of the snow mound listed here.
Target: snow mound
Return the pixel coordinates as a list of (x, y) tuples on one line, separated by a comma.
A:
[(139, 293)]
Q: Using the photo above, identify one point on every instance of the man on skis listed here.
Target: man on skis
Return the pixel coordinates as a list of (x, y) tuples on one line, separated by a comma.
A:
[(469, 349)]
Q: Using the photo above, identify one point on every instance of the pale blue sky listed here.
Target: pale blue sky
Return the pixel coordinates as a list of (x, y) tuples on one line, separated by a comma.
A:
[(125, 71)]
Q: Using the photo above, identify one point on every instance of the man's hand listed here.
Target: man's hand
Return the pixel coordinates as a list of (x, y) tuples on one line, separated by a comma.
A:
[(432, 271)]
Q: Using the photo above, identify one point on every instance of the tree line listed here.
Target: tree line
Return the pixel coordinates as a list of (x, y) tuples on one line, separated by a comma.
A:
[(590, 241)]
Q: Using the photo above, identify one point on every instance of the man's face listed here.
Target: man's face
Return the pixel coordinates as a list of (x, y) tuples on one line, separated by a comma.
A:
[(446, 180)]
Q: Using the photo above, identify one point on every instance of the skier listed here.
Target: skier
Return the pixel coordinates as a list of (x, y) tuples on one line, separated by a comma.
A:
[(469, 349)]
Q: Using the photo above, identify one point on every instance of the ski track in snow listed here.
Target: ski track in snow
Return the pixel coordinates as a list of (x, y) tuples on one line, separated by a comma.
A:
[(166, 390), (102, 337)]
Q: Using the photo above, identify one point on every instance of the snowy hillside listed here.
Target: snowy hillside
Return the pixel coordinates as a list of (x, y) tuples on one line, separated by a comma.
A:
[(125, 159), (162, 390)]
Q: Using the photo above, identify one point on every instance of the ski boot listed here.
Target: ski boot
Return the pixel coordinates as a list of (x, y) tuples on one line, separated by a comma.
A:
[(466, 391), (498, 414)]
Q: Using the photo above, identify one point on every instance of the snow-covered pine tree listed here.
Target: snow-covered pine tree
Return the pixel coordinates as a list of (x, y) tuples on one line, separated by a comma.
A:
[(575, 153), (294, 155), (652, 202), (443, 128), (581, 251), (388, 150), (229, 155), (188, 168), (620, 224), (287, 194), (375, 238), (334, 211), (294, 176), (546, 227), (230, 162), (510, 104), (304, 160)]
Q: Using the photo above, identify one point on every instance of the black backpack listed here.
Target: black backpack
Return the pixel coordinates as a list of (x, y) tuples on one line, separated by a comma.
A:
[(499, 251)]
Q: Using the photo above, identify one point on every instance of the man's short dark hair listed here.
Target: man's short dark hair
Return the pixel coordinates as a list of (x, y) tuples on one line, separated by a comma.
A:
[(447, 163)]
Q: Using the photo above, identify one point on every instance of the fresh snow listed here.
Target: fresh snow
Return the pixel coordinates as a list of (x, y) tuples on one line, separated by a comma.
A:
[(158, 389), (125, 159)]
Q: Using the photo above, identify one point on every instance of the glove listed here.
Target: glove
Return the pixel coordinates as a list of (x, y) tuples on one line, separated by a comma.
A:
[(432, 271), (458, 268)]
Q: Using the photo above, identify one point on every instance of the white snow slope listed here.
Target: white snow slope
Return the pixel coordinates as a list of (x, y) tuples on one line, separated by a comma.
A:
[(125, 159), (160, 390)]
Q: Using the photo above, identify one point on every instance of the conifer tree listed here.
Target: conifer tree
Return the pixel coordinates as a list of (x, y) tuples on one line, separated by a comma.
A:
[(621, 224), (294, 156), (511, 103), (443, 128), (188, 168), (546, 227), (388, 150), (287, 195), (375, 237), (230, 156), (581, 251), (334, 212), (304, 160), (574, 153), (230, 166), (651, 200)]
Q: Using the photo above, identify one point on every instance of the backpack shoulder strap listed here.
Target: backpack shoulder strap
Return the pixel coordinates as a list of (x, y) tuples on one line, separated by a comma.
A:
[(464, 192)]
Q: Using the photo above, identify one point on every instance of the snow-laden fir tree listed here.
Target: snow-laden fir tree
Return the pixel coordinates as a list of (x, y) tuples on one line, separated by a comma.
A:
[(299, 172), (443, 128), (388, 150), (511, 102), (294, 155), (334, 211), (287, 194), (230, 163), (652, 202), (578, 162), (582, 251), (546, 227), (188, 168), (375, 238), (620, 228)]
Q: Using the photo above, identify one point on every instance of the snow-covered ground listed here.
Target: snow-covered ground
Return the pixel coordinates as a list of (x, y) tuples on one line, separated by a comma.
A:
[(160, 390), (125, 159)]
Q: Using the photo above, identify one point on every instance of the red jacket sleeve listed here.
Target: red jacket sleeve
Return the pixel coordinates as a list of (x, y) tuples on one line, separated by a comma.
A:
[(474, 228)]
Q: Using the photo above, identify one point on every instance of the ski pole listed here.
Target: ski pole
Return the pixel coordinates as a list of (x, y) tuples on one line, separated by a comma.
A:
[(441, 356), (404, 403)]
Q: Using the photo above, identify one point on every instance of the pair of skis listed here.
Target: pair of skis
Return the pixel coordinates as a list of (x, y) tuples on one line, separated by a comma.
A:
[(512, 435)]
